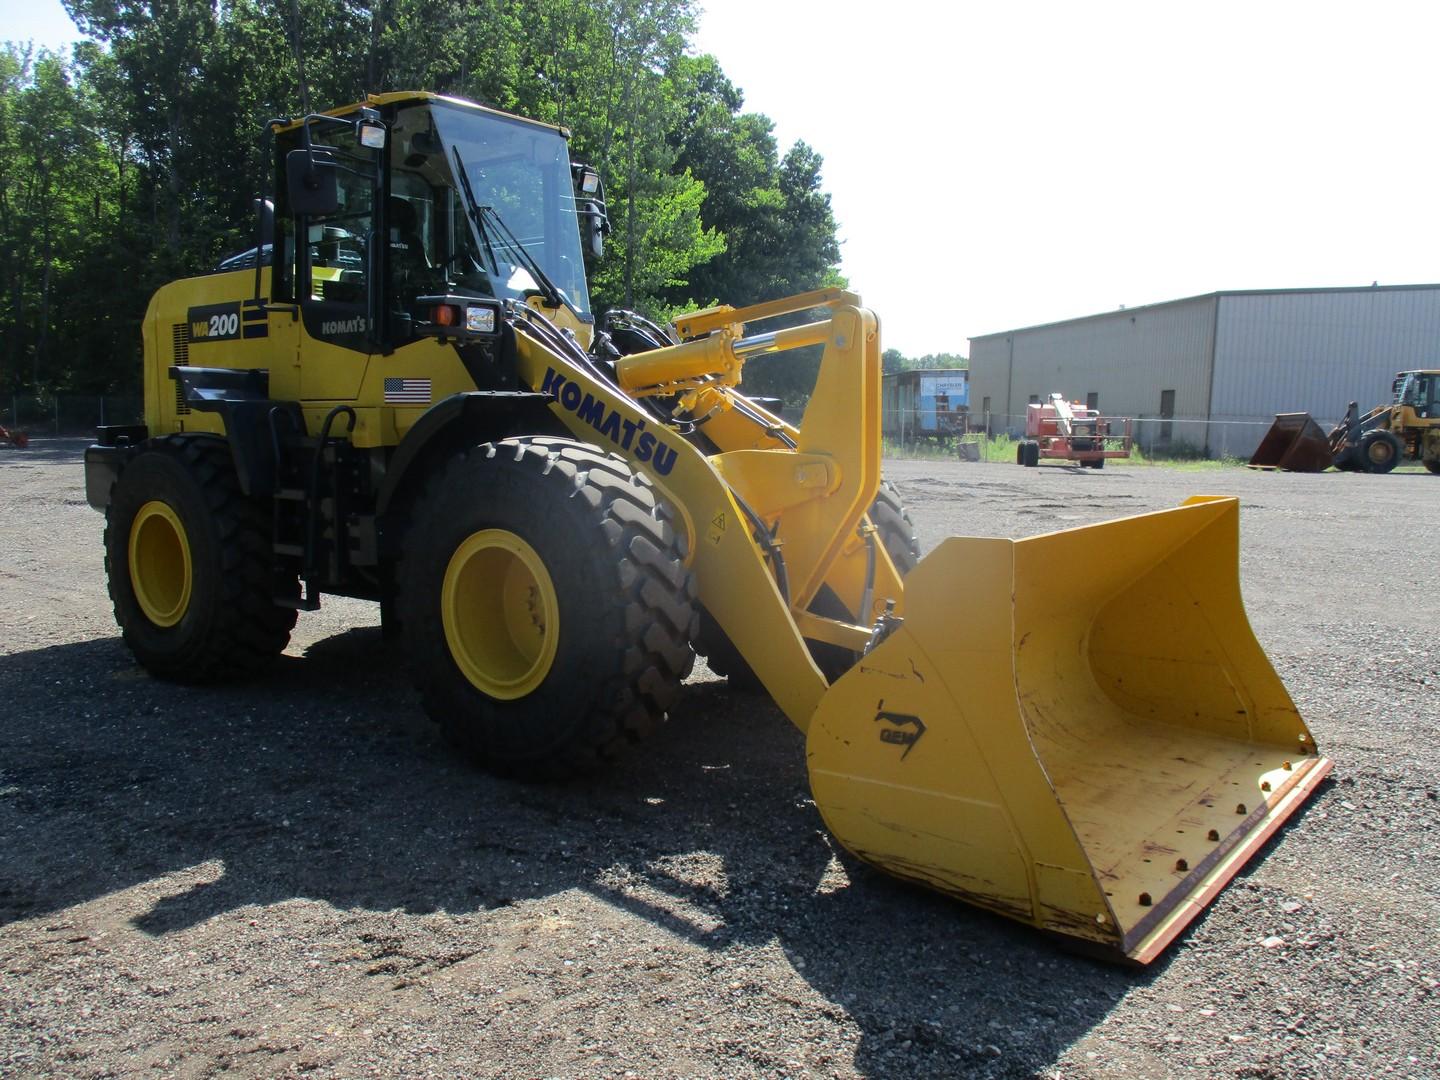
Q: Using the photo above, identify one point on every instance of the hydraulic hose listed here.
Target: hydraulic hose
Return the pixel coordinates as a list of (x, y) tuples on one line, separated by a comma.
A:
[(766, 539)]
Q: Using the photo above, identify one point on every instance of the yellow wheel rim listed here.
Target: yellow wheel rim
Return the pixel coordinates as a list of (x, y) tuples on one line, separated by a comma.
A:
[(501, 614), (160, 564)]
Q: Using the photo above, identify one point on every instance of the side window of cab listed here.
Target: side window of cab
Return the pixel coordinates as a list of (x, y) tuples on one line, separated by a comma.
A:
[(327, 260), (338, 244)]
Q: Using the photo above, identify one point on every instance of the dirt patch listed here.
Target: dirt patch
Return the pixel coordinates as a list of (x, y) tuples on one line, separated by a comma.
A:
[(296, 876)]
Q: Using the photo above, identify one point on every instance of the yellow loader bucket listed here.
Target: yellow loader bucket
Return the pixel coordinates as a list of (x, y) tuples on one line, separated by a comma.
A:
[(1077, 730)]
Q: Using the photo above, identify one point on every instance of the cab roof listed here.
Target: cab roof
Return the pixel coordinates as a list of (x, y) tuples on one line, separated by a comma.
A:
[(400, 97)]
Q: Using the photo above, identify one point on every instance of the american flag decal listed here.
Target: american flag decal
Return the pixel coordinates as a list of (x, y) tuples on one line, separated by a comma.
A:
[(407, 391)]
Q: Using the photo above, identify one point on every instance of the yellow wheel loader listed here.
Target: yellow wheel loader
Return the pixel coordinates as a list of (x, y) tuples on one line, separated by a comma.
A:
[(401, 393), (1375, 442), (1408, 427)]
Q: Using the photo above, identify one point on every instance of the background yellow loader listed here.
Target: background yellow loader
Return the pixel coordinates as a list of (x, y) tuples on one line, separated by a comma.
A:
[(1375, 441), (401, 394)]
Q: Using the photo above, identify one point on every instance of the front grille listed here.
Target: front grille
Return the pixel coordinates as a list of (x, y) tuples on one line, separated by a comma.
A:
[(180, 336)]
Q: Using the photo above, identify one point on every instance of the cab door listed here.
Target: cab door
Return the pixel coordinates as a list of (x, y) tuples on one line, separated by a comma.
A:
[(334, 267), (1428, 397)]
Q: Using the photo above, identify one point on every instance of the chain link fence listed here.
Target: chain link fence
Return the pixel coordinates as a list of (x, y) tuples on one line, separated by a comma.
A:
[(65, 414), (1162, 437)]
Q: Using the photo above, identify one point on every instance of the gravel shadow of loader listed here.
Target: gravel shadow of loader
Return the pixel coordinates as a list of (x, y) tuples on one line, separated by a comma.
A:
[(326, 782)]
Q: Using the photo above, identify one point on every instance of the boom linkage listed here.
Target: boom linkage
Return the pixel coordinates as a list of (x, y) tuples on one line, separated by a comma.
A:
[(775, 513)]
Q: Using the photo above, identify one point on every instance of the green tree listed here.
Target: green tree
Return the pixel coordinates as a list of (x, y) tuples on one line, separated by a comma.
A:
[(136, 161), (941, 360), (776, 219), (605, 73), (599, 68), (54, 178), (777, 222)]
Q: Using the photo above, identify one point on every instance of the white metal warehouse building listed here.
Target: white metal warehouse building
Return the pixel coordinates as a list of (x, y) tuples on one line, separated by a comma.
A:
[(1212, 371)]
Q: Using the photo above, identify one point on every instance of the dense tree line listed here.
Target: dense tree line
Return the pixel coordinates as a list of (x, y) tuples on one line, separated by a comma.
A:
[(132, 159)]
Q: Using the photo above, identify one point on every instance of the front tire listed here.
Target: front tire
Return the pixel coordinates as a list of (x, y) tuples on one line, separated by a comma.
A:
[(545, 606), (1380, 451), (897, 531), (189, 564)]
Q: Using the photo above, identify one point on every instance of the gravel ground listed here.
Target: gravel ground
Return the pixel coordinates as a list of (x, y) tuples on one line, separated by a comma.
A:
[(296, 876)]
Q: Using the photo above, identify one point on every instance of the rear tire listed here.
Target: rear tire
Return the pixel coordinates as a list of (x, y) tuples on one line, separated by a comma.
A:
[(1380, 451), (897, 531), (189, 563), (545, 606)]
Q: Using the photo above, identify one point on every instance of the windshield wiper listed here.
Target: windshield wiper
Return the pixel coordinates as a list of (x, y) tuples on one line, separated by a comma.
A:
[(553, 296), (473, 209), (478, 213)]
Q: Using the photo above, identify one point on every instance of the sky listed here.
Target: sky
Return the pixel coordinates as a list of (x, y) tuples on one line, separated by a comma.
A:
[(1002, 164)]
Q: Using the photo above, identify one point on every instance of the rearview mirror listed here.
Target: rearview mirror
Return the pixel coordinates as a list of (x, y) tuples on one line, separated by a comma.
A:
[(593, 226), (311, 184), (264, 237)]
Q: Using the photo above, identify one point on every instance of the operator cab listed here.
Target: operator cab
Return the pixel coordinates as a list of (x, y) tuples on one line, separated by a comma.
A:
[(417, 203), (1420, 390)]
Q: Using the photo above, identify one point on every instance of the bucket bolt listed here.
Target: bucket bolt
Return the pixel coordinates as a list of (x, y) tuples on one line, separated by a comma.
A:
[(1213, 836), (1240, 809), (1264, 785), (1181, 864), (1145, 900)]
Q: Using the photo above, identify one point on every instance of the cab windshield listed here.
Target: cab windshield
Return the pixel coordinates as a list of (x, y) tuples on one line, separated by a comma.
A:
[(518, 173)]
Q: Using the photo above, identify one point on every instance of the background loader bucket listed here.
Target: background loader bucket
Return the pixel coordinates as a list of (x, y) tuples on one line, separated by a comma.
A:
[(1077, 730), (1295, 443)]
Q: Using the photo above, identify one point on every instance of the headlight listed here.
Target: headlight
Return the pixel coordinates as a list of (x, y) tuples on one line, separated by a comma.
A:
[(480, 320), (464, 318)]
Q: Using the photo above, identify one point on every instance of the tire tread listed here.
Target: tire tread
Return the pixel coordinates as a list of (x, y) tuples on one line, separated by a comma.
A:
[(652, 589), (255, 628)]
